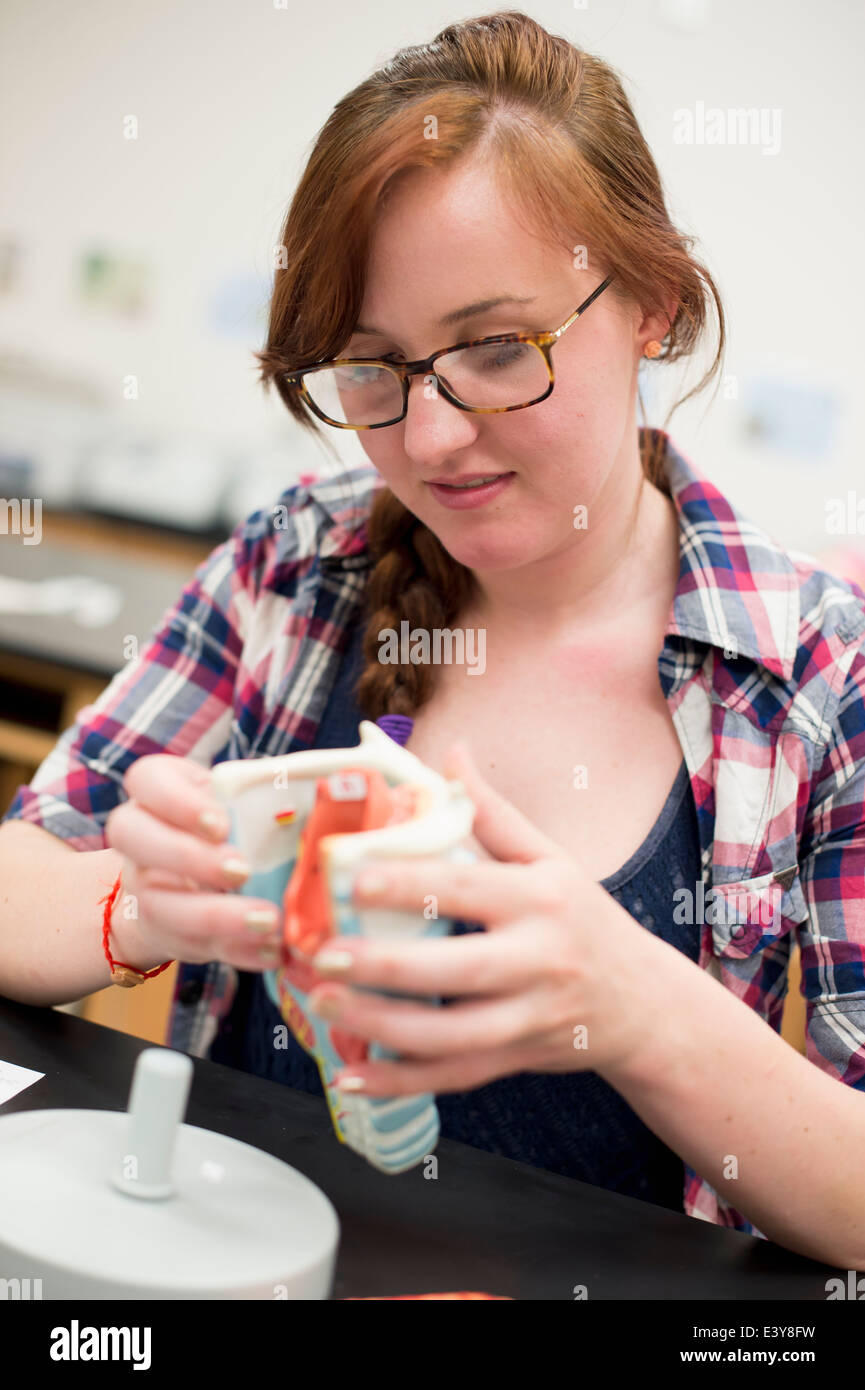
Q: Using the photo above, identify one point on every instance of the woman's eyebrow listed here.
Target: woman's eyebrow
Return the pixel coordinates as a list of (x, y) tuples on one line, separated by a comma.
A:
[(468, 311)]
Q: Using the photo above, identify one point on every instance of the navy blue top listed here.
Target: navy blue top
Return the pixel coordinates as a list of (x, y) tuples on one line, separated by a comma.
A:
[(571, 1123)]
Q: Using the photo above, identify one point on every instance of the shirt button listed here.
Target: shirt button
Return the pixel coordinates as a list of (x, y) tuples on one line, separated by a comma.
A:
[(190, 993)]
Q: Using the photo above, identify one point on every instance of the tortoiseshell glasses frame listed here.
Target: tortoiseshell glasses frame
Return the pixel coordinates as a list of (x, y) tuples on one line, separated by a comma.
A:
[(426, 366)]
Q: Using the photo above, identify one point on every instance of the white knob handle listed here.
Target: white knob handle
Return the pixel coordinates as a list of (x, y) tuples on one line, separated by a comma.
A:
[(157, 1104)]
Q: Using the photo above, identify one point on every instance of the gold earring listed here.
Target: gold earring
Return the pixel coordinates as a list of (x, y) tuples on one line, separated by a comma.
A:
[(652, 348)]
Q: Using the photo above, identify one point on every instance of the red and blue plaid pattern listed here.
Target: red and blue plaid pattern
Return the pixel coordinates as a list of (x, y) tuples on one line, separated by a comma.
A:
[(763, 668)]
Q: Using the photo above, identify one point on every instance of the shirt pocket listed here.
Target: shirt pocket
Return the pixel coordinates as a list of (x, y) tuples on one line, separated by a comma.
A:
[(753, 913)]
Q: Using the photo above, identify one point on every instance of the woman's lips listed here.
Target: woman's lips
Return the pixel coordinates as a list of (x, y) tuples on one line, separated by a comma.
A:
[(458, 498)]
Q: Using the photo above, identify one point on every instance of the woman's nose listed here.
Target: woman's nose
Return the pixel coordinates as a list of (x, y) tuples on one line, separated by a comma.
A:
[(432, 424)]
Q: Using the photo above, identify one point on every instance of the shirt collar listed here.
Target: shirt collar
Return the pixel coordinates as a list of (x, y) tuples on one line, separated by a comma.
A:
[(737, 590), (345, 500), (735, 581)]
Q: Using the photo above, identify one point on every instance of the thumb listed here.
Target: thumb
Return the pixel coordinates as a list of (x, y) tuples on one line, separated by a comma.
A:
[(499, 826)]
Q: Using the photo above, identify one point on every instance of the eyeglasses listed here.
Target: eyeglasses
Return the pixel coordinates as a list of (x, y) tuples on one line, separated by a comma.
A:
[(484, 375)]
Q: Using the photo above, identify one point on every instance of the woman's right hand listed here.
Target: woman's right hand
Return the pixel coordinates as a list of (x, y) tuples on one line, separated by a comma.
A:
[(177, 873)]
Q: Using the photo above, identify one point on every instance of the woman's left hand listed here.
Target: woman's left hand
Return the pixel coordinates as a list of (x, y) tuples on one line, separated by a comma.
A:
[(555, 983)]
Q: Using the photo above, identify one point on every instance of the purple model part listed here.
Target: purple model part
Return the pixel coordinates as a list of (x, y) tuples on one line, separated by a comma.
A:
[(398, 726)]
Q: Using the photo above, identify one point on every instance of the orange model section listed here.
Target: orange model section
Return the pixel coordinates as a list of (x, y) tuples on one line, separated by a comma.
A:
[(353, 800)]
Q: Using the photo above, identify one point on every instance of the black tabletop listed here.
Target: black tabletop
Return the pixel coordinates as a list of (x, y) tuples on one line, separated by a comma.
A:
[(485, 1223)]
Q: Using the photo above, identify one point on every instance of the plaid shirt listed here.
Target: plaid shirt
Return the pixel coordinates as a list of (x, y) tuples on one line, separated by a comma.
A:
[(763, 669)]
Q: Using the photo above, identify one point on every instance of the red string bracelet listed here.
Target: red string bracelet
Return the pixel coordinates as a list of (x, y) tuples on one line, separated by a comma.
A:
[(121, 973)]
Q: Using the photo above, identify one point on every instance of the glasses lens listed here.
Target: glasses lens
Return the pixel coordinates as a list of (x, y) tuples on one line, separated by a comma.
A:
[(486, 376), (495, 375), (360, 393)]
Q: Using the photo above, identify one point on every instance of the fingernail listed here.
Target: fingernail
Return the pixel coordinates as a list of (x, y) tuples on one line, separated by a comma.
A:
[(261, 919), (350, 1083), (326, 1008), (333, 960), (268, 956), (215, 823), (235, 867), (370, 883)]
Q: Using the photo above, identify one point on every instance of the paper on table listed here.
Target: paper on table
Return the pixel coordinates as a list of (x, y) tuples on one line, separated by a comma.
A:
[(14, 1079)]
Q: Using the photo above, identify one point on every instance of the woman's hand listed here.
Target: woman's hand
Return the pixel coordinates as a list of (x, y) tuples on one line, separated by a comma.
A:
[(179, 874), (553, 984)]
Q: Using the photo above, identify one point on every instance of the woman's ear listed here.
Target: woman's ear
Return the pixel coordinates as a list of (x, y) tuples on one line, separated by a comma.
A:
[(657, 326)]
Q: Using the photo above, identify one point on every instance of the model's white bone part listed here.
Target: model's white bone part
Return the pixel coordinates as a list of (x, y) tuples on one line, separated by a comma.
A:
[(376, 751), (429, 834)]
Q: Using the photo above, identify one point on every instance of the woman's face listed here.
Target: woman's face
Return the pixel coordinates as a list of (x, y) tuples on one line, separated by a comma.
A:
[(447, 240)]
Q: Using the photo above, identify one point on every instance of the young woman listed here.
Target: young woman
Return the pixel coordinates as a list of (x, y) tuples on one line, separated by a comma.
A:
[(666, 743)]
